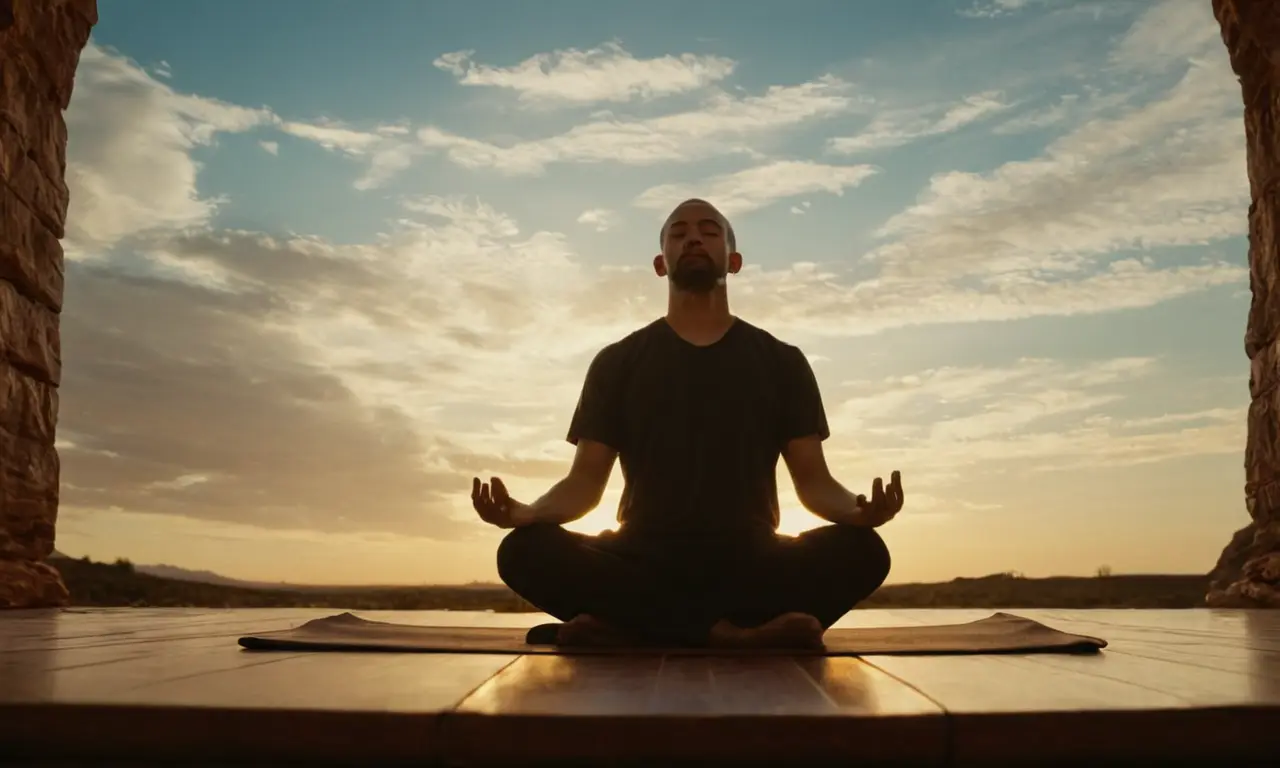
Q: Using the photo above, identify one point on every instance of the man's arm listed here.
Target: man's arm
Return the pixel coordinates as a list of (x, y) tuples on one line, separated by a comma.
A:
[(596, 429), (817, 490), (804, 427), (581, 489)]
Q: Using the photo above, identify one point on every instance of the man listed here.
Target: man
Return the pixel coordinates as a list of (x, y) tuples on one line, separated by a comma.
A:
[(698, 406)]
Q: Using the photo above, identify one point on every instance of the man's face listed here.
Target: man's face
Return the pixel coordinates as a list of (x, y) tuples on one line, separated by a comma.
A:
[(695, 249)]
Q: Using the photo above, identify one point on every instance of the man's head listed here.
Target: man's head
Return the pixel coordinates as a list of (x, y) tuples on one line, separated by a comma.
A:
[(698, 248)]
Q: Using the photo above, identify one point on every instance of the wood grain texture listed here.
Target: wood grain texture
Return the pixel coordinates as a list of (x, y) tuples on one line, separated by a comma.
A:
[(700, 708), (1151, 695), (171, 683), (93, 678)]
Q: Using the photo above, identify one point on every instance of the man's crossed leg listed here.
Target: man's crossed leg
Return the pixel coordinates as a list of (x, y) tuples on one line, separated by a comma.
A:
[(617, 589)]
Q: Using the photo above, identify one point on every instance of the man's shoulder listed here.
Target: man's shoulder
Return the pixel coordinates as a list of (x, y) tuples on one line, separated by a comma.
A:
[(769, 341), (625, 347)]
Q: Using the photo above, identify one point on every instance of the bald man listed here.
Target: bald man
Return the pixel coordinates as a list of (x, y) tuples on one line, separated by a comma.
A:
[(697, 406)]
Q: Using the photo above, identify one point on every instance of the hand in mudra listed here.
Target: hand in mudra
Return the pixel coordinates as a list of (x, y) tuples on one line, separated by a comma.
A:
[(495, 505), (885, 502)]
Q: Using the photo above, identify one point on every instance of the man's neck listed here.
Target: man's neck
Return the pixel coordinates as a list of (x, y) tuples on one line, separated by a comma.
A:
[(700, 318)]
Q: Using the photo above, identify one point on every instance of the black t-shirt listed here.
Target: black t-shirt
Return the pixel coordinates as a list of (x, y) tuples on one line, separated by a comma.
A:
[(699, 430)]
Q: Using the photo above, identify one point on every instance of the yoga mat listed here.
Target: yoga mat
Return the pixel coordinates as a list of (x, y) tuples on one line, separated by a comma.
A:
[(998, 633)]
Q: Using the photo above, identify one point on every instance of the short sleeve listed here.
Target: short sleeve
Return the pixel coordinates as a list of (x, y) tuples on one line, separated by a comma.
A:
[(803, 414), (599, 415)]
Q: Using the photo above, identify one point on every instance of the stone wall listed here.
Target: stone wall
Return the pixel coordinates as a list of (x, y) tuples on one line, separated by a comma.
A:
[(40, 44), (1248, 573)]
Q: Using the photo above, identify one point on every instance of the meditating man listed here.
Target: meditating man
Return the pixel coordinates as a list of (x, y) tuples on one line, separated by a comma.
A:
[(698, 406)]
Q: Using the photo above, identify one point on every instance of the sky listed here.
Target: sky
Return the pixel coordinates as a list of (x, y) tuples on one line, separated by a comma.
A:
[(325, 265)]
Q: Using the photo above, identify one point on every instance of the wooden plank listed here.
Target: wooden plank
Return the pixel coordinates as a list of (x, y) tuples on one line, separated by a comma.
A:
[(1122, 704), (224, 703), (1184, 684), (1256, 630), (78, 631), (38, 676), (1235, 654), (143, 637), (560, 708)]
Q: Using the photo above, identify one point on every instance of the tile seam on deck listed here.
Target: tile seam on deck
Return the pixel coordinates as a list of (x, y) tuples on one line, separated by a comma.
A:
[(948, 718), (1206, 667)]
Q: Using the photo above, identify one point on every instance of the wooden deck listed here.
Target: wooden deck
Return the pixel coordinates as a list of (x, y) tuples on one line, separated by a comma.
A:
[(153, 684)]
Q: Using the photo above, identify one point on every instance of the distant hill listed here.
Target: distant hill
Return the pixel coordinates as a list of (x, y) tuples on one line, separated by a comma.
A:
[(122, 584), (177, 573), (203, 577)]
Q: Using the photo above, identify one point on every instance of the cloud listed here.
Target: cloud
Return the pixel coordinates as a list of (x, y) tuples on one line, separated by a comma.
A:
[(723, 125), (129, 164), (270, 147), (387, 149), (991, 9), (1165, 172), (1168, 34), (602, 219), (829, 301), (607, 73), (761, 186), (1056, 113), (304, 384), (1042, 414), (903, 127), (218, 413)]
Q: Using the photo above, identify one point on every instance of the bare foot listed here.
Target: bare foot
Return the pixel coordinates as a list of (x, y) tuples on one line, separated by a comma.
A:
[(790, 630), (585, 629)]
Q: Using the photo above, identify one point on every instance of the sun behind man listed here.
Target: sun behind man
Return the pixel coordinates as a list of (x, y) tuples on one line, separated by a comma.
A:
[(698, 406)]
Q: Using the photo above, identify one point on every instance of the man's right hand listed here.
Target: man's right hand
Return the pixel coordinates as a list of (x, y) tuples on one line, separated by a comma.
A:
[(495, 505)]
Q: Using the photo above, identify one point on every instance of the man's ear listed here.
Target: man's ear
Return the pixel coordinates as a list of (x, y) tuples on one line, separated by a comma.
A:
[(735, 263), (659, 266)]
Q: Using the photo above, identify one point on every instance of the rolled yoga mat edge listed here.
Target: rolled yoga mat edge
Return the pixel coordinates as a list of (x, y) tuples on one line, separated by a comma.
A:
[(1000, 633)]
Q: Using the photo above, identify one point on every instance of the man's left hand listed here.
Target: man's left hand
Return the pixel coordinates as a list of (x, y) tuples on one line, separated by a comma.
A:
[(884, 504)]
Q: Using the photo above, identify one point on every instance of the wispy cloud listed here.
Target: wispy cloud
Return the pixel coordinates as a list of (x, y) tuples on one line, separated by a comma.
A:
[(342, 386), (1040, 414), (760, 186), (607, 73), (903, 127), (991, 9), (386, 149), (723, 125), (601, 219), (129, 161), (1166, 173), (1168, 34)]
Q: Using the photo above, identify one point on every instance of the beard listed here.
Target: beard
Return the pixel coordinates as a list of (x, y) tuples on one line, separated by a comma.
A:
[(696, 274)]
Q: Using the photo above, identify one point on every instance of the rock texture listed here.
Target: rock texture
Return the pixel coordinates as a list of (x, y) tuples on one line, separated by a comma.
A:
[(1248, 573), (40, 44)]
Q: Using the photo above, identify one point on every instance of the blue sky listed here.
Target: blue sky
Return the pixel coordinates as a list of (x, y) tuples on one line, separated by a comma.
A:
[(327, 264)]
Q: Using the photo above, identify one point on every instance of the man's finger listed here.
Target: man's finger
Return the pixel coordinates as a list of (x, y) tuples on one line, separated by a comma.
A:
[(895, 488), (499, 490), (877, 491), (475, 488)]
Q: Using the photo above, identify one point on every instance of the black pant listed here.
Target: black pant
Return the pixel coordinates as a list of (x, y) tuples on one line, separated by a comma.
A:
[(672, 590)]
